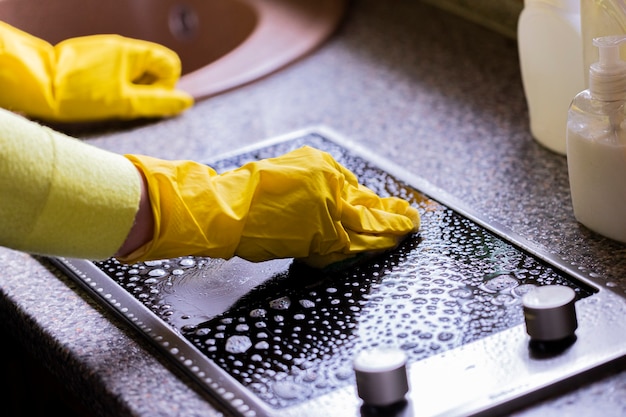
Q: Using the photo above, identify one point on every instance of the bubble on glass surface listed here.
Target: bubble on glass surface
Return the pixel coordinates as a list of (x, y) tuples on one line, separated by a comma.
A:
[(258, 312), (262, 345), (523, 289), (238, 344), (290, 390), (157, 272), (282, 303), (307, 303), (187, 262), (500, 283)]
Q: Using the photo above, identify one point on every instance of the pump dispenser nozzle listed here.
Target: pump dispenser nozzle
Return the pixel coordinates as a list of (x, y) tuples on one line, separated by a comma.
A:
[(607, 77)]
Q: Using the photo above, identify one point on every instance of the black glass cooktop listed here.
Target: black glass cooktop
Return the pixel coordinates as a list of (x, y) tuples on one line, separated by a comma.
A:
[(273, 336)]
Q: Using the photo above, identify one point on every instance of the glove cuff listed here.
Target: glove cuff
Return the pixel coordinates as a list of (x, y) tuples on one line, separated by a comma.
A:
[(189, 216)]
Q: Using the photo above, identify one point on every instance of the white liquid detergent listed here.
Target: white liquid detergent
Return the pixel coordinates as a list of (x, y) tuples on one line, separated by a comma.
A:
[(598, 185), (596, 144)]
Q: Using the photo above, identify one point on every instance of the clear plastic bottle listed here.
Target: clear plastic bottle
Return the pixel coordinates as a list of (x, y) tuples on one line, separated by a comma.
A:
[(600, 18), (596, 144), (551, 61)]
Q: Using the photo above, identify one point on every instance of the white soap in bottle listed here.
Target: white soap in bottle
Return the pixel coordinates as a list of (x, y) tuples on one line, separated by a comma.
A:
[(596, 144), (551, 62)]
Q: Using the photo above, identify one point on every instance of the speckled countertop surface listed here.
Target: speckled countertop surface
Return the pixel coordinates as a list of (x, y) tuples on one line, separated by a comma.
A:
[(440, 96)]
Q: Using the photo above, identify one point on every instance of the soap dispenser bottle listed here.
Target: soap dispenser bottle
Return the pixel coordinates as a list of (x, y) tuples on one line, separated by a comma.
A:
[(600, 18), (551, 63), (596, 144)]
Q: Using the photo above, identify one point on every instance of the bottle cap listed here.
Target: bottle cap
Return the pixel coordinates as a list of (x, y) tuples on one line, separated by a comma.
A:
[(607, 77)]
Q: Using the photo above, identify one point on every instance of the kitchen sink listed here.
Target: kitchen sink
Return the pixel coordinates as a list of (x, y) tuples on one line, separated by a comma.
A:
[(223, 44)]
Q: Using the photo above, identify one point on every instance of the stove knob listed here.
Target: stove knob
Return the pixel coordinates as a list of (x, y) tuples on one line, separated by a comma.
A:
[(549, 313), (381, 376)]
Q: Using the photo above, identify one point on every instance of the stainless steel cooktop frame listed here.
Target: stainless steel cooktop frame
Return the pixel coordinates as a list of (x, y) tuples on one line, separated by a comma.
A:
[(490, 376)]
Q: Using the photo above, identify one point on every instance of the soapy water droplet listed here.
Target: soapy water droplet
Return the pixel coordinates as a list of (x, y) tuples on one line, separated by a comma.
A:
[(157, 272), (258, 312), (523, 289), (445, 336), (503, 299), (203, 332), (500, 283), (289, 390), (238, 344), (282, 303), (262, 345), (188, 262), (307, 303), (461, 293)]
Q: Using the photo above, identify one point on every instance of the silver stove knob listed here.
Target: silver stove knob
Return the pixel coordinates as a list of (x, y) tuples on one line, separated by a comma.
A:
[(381, 376), (549, 313)]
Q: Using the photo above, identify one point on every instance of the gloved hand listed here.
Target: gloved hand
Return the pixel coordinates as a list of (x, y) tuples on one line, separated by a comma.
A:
[(88, 78), (302, 205)]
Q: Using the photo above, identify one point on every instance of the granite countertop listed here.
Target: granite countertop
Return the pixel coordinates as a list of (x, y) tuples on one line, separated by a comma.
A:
[(440, 96)]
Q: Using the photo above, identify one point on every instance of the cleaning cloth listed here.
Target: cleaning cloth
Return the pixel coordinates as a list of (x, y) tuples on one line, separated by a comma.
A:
[(61, 196)]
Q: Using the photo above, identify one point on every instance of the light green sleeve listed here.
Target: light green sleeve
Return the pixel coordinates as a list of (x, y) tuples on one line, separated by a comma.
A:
[(60, 196)]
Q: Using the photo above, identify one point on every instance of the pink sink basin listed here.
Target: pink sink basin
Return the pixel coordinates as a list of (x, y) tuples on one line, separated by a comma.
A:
[(223, 44)]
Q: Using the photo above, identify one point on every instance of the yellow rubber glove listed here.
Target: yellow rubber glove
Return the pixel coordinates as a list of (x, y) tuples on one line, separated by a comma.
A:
[(88, 78), (302, 205)]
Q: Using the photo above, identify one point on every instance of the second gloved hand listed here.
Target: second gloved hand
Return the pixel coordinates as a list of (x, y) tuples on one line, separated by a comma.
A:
[(302, 205), (89, 78)]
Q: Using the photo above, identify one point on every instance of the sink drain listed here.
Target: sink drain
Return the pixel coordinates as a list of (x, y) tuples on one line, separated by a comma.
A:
[(183, 22)]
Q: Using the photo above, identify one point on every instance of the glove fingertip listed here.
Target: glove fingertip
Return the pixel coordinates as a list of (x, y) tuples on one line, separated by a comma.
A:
[(151, 101)]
